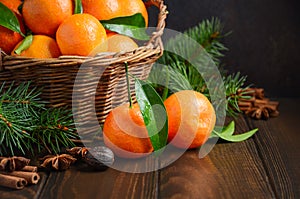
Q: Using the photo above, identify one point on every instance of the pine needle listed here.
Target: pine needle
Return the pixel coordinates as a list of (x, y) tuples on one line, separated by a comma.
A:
[(182, 75), (26, 125)]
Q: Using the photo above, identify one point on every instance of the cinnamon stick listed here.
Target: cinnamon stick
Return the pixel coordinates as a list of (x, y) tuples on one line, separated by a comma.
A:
[(244, 104), (257, 106), (252, 99), (30, 168), (245, 108), (12, 182), (260, 102), (30, 177)]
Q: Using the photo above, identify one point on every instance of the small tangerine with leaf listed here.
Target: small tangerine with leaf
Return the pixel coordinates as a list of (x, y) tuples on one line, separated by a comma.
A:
[(42, 46), (10, 38), (125, 133)]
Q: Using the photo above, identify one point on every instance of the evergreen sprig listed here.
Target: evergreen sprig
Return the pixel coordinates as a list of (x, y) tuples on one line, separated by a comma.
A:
[(54, 128), (18, 111), (235, 90), (22, 114), (182, 75), (209, 33)]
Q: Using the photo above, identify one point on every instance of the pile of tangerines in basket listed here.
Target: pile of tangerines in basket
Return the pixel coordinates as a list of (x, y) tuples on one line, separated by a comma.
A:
[(51, 28)]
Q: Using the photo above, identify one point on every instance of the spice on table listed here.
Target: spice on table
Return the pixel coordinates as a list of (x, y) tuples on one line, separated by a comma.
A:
[(12, 182), (29, 168), (16, 173), (58, 162), (30, 177), (258, 106), (13, 163)]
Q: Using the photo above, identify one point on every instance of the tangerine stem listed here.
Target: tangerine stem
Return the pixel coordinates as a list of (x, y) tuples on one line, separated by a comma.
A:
[(128, 85), (166, 89)]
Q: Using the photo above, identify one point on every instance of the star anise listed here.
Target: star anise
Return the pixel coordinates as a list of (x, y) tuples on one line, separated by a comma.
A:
[(78, 152), (262, 112), (13, 163), (58, 162)]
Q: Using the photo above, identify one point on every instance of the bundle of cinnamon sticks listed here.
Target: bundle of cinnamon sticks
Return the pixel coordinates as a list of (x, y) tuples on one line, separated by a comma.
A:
[(257, 106), (16, 173)]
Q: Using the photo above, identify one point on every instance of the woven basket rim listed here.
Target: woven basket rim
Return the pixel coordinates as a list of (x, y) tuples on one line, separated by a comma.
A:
[(152, 47)]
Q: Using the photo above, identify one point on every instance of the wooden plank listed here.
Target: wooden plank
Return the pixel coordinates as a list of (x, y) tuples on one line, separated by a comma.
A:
[(278, 143), (105, 184), (231, 170), (29, 192)]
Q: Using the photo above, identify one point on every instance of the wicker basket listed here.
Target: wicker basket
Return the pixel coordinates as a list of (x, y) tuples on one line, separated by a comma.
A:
[(57, 76)]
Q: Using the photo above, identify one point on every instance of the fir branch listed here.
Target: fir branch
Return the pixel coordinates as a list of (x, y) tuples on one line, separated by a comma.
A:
[(14, 132), (182, 75), (22, 99), (25, 123), (54, 129), (17, 117), (234, 86), (208, 33)]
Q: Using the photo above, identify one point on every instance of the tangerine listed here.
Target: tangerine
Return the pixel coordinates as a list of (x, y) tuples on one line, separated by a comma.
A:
[(125, 133), (191, 118), (109, 9), (44, 16), (117, 43), (81, 34), (42, 46), (9, 38), (12, 5)]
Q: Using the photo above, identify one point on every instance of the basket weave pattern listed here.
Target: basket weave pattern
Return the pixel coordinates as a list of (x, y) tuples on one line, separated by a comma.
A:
[(57, 76)]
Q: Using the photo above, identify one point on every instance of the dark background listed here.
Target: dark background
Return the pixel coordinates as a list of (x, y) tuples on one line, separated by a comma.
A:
[(264, 44)]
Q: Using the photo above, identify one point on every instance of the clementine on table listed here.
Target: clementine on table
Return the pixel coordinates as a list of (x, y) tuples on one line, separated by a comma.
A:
[(108, 9), (117, 43), (191, 118), (44, 16), (42, 46), (125, 133), (81, 34)]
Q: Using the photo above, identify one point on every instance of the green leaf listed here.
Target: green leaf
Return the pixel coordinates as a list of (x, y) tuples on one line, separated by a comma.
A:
[(78, 7), (24, 45), (154, 113), (9, 20), (132, 26), (136, 20), (130, 31), (227, 134), (228, 130)]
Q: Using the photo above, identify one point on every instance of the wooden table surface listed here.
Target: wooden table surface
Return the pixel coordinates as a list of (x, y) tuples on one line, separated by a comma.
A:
[(264, 166)]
